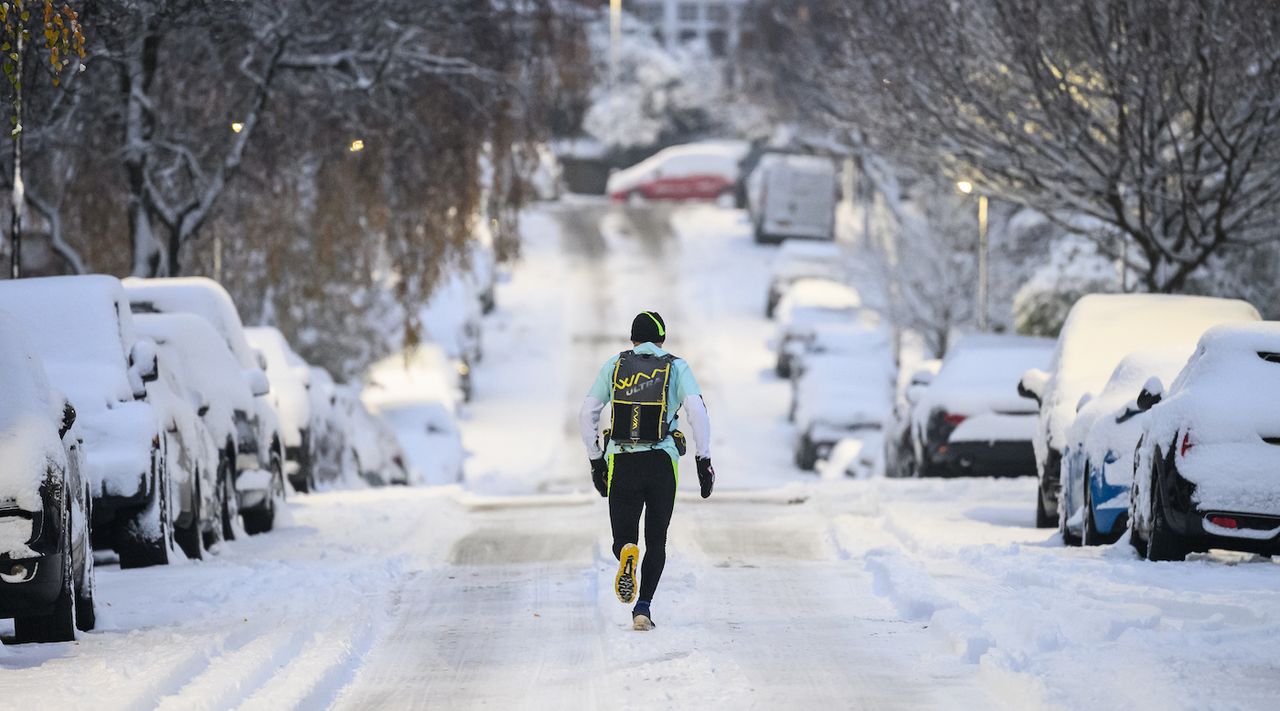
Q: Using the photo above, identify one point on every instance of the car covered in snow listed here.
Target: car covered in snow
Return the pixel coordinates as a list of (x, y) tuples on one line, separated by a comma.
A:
[(417, 395), (808, 304), (801, 260), (1205, 474), (694, 171), (83, 331), (792, 196), (46, 556), (328, 434), (290, 379), (970, 421), (259, 446), (843, 395), (1097, 457), (210, 379), (1100, 330), (899, 446), (372, 450)]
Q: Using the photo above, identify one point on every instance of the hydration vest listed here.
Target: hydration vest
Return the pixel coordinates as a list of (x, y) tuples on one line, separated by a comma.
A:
[(640, 383)]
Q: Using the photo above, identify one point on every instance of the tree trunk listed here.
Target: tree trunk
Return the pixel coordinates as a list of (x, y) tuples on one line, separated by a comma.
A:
[(136, 74), (18, 195)]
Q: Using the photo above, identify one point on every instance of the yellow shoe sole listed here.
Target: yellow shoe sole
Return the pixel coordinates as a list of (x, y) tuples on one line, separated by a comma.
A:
[(626, 584)]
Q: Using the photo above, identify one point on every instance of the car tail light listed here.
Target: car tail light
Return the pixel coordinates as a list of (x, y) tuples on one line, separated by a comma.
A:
[(1187, 444), (952, 419), (1224, 521)]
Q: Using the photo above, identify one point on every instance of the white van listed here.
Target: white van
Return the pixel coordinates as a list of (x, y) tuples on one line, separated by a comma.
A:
[(792, 195)]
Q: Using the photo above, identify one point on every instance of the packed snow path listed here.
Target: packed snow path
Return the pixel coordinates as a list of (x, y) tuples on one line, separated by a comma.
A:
[(780, 591)]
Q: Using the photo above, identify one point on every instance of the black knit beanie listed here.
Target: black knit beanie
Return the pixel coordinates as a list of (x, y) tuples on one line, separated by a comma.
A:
[(648, 327)]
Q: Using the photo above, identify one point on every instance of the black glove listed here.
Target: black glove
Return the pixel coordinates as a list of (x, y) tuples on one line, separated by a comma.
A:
[(600, 476), (706, 475)]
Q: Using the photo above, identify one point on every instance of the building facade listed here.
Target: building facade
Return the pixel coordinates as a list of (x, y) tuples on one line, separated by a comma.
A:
[(716, 23)]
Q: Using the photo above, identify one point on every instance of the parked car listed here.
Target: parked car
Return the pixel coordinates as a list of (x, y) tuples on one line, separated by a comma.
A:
[(418, 397), (807, 304), (216, 384), (290, 379), (793, 196), (1100, 330), (832, 338), (82, 329), (46, 556), (899, 445), (260, 448), (970, 420), (372, 451), (1097, 456), (803, 260), (843, 395), (193, 495), (1205, 475), (695, 171), (328, 433)]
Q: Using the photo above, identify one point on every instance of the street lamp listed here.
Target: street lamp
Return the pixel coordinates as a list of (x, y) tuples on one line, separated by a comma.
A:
[(966, 187), (615, 37), (236, 127), (357, 145)]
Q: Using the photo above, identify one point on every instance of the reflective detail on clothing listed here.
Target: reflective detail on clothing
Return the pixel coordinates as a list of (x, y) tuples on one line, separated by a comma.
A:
[(639, 397), (681, 387)]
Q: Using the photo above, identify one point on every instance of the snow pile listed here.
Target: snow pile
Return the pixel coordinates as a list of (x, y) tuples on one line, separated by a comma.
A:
[(1224, 405), (30, 417)]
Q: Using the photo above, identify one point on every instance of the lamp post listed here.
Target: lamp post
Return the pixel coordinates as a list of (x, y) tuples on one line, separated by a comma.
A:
[(615, 37), (966, 187)]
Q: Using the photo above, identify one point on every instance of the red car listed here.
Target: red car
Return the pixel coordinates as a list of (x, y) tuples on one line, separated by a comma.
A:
[(696, 171)]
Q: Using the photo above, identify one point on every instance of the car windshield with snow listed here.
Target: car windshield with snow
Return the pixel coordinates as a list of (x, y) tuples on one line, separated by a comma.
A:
[(808, 304)]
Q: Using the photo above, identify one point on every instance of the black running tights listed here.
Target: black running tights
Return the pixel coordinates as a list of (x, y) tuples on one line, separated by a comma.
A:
[(643, 482)]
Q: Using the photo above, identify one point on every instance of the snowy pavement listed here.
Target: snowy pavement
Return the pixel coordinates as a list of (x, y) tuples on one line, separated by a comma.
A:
[(780, 591)]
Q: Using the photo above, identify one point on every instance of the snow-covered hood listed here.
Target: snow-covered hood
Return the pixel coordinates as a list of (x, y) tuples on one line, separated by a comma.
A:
[(29, 450)]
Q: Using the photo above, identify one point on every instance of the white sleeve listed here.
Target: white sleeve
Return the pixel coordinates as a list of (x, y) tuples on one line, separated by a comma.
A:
[(696, 410), (589, 423)]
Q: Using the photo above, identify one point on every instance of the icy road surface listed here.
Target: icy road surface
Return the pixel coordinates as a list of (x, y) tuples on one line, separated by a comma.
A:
[(780, 591)]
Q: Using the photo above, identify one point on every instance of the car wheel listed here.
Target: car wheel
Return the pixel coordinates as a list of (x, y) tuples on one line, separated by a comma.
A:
[(60, 624), (262, 519), (145, 537), (189, 537), (1043, 519), (86, 614), (1163, 543), (807, 453), (230, 504)]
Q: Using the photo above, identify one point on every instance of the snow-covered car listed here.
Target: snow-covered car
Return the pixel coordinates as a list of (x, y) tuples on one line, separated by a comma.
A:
[(451, 319), (1100, 330), (1205, 470), (859, 457), (803, 260), (259, 447), (328, 434), (792, 196), (807, 304), (843, 395), (830, 338), (1097, 457), (418, 397), (215, 385), (694, 171), (290, 379), (46, 556), (83, 331), (899, 447), (970, 421), (372, 450)]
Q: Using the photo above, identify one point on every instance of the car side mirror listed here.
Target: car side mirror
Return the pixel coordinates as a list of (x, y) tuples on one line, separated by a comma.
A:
[(1084, 400), (68, 419), (142, 358), (1151, 395), (1032, 385), (258, 383)]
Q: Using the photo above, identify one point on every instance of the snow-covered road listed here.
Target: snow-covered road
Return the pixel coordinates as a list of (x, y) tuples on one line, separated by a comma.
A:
[(780, 591)]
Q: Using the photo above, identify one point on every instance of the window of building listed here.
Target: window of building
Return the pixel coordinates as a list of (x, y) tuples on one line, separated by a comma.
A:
[(648, 12), (718, 42), (688, 11), (687, 36), (718, 13)]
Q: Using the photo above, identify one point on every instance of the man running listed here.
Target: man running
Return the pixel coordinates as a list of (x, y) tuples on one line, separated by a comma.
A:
[(639, 468)]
